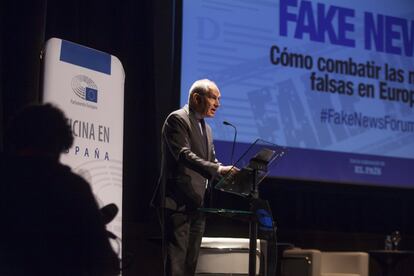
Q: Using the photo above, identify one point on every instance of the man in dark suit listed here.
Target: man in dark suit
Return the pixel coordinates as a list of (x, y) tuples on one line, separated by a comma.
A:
[(188, 164)]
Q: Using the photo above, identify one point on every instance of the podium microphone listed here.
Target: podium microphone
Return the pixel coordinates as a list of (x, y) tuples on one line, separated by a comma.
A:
[(234, 139)]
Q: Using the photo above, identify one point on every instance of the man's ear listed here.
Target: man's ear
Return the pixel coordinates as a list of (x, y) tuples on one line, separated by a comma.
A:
[(198, 100)]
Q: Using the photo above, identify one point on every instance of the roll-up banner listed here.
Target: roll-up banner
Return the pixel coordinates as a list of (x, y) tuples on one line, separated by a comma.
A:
[(88, 85)]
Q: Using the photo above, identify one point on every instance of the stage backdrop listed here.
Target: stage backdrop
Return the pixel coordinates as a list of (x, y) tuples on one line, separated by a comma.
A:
[(88, 85), (332, 80)]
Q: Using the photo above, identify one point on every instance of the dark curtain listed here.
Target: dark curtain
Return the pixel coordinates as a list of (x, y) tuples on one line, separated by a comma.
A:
[(21, 42), (125, 29)]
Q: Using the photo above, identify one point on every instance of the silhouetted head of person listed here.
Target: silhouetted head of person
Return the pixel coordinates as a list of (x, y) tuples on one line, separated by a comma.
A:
[(39, 129)]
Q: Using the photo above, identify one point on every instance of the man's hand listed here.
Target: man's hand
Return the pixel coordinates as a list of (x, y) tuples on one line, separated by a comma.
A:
[(223, 170)]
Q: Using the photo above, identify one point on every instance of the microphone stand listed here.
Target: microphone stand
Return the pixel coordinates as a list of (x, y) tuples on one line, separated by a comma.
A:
[(234, 138)]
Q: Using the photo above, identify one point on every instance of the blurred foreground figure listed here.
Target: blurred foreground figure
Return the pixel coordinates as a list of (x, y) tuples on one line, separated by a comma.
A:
[(51, 224)]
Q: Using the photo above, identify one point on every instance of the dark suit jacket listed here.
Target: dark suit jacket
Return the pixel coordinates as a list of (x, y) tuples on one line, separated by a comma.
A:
[(188, 161)]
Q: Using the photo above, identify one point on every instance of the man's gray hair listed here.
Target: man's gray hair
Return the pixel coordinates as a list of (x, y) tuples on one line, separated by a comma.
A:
[(200, 87)]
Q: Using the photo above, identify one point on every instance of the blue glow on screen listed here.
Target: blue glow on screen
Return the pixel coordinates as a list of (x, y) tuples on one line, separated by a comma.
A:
[(331, 80)]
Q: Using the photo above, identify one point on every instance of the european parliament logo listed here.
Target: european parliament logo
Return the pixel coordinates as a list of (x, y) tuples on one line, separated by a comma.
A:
[(85, 88)]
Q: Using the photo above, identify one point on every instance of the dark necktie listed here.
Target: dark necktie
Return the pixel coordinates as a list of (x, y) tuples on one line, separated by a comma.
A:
[(203, 133)]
